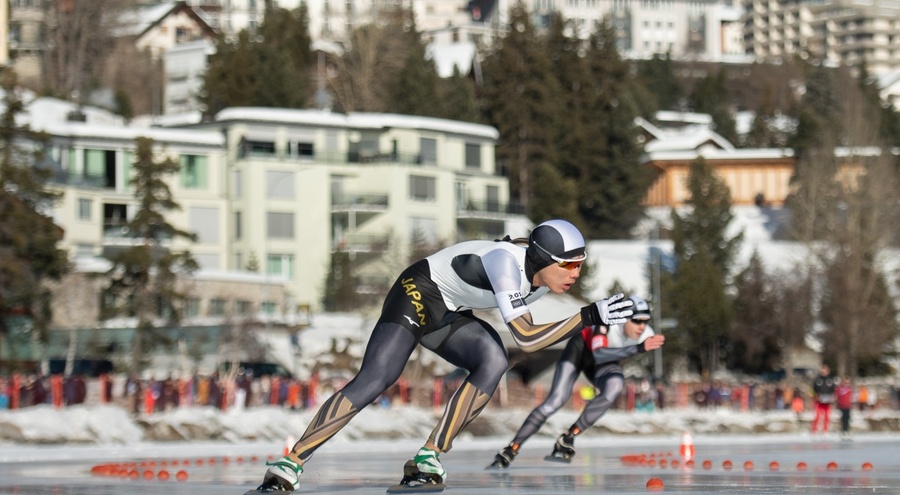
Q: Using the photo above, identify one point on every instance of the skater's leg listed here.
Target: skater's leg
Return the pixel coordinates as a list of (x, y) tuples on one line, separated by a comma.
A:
[(473, 345), (567, 369), (386, 354), (610, 381)]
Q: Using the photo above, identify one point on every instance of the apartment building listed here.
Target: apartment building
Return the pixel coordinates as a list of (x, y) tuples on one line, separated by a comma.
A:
[(303, 184), (838, 32), (284, 189)]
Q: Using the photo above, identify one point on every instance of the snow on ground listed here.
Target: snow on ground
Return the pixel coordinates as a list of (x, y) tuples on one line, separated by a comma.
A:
[(112, 425)]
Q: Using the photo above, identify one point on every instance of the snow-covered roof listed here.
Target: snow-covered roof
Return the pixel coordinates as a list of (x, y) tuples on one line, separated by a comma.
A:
[(325, 118), (690, 138), (446, 56)]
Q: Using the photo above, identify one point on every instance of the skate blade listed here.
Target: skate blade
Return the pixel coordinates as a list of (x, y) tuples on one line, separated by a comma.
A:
[(495, 466), (564, 460), (414, 487)]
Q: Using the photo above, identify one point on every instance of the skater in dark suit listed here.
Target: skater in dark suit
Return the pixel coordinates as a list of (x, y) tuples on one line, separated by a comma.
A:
[(596, 353)]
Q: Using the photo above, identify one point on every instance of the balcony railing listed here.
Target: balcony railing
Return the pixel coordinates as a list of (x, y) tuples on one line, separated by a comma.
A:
[(486, 208), (361, 243), (360, 201)]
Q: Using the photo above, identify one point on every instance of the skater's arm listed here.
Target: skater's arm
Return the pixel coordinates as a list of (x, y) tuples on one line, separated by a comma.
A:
[(610, 354), (534, 337)]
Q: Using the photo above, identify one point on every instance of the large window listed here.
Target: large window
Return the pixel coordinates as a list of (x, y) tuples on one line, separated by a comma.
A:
[(280, 265), (193, 172), (84, 209), (280, 225), (422, 188), (428, 151), (473, 155)]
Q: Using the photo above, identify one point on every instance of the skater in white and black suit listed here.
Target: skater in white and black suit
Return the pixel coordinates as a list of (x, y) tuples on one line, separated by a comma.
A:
[(596, 352), (431, 304)]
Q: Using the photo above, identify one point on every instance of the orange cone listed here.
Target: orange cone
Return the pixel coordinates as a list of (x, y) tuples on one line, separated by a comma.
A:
[(687, 446)]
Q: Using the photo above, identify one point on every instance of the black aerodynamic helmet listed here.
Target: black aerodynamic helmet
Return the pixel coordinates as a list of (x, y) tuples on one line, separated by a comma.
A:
[(641, 309), (554, 241)]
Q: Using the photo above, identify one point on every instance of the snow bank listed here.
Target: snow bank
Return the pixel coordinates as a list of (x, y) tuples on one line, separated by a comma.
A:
[(111, 425)]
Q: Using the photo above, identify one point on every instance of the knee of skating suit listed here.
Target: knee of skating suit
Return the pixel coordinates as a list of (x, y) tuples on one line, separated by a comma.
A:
[(284, 474)]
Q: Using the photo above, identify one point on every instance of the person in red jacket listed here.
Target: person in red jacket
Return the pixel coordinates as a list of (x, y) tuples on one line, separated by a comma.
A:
[(823, 392), (844, 394)]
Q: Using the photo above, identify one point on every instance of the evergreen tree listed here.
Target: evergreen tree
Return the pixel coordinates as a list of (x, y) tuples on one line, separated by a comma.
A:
[(232, 77), (661, 89), (29, 252), (772, 315), (612, 181), (457, 94), (273, 68), (413, 89), (814, 189), (703, 253), (340, 292), (143, 277), (518, 98), (710, 96)]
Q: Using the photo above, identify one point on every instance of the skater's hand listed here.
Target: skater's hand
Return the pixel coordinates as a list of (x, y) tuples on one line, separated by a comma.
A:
[(610, 311), (654, 342)]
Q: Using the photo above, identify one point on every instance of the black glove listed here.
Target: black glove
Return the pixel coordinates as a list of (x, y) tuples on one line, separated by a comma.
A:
[(609, 311)]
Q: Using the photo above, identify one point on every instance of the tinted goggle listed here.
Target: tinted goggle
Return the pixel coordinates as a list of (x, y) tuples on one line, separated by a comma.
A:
[(567, 263)]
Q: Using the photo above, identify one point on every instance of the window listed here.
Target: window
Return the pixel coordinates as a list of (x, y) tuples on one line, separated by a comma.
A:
[(84, 209), (473, 155), (493, 198), (216, 307), (268, 307), (280, 225), (422, 188), (302, 150), (191, 307), (243, 307), (423, 230), (238, 226), (279, 184), (428, 151), (257, 148), (193, 171), (281, 265)]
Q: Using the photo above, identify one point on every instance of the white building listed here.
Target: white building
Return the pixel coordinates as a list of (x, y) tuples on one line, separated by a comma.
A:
[(285, 187)]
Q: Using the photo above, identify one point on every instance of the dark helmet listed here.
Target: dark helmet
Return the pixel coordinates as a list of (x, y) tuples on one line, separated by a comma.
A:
[(641, 309), (554, 241)]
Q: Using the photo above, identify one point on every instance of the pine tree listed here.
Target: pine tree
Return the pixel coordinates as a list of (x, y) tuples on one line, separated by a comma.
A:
[(457, 94), (612, 181), (413, 88), (518, 98), (660, 87), (273, 68), (703, 253), (710, 96), (29, 252), (340, 292), (143, 277)]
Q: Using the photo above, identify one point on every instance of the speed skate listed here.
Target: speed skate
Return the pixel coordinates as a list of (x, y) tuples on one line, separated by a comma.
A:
[(415, 481)]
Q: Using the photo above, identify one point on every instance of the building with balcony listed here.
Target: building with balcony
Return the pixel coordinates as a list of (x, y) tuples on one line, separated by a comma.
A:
[(284, 189), (303, 184), (838, 32)]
